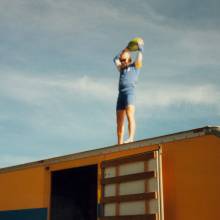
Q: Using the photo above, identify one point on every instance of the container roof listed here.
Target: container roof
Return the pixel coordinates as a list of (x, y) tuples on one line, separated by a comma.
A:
[(208, 130)]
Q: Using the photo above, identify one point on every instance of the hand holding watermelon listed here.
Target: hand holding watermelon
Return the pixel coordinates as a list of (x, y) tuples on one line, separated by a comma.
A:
[(136, 44)]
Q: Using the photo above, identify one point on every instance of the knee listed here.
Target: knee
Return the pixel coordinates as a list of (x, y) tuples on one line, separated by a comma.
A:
[(131, 118)]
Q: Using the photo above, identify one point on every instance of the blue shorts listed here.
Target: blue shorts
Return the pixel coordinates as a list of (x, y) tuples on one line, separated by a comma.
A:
[(125, 99)]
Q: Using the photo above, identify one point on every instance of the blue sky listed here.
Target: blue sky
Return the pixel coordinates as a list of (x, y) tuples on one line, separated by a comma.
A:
[(58, 84)]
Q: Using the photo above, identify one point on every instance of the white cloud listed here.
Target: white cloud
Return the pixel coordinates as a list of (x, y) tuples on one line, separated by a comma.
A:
[(59, 20), (159, 95), (94, 87), (200, 47), (32, 89), (57, 105), (37, 90), (62, 17)]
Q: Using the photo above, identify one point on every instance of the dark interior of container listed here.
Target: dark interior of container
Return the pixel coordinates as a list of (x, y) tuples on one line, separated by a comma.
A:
[(74, 194)]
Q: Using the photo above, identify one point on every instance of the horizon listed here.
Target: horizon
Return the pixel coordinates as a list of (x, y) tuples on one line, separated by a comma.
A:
[(58, 83)]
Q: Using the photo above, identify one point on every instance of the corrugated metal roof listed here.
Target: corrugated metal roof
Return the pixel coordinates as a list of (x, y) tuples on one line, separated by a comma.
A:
[(213, 130)]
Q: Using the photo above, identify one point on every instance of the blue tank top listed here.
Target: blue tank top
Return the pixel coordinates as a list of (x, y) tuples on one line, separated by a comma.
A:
[(128, 78)]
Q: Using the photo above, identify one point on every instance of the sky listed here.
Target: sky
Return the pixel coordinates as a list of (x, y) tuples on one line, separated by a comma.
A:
[(58, 83)]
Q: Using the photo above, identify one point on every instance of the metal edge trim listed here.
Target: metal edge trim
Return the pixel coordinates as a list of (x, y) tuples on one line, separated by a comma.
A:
[(215, 130)]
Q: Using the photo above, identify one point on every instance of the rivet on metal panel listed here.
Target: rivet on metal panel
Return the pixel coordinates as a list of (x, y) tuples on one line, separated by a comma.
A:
[(160, 149)]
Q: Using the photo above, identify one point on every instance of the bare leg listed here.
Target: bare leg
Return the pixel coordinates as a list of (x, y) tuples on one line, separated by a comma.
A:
[(120, 125), (130, 110)]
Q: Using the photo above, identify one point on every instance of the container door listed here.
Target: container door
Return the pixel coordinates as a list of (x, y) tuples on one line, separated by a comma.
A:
[(132, 188)]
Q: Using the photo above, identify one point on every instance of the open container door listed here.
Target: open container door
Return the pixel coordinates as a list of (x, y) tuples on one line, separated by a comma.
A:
[(132, 188), (74, 193)]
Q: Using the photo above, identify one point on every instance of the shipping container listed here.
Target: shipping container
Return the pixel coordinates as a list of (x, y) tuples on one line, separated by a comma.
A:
[(171, 177)]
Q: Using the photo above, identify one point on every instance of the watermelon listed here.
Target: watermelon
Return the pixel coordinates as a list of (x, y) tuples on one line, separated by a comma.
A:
[(133, 44)]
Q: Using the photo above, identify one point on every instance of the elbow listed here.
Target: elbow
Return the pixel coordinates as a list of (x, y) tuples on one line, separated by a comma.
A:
[(115, 59), (138, 65)]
